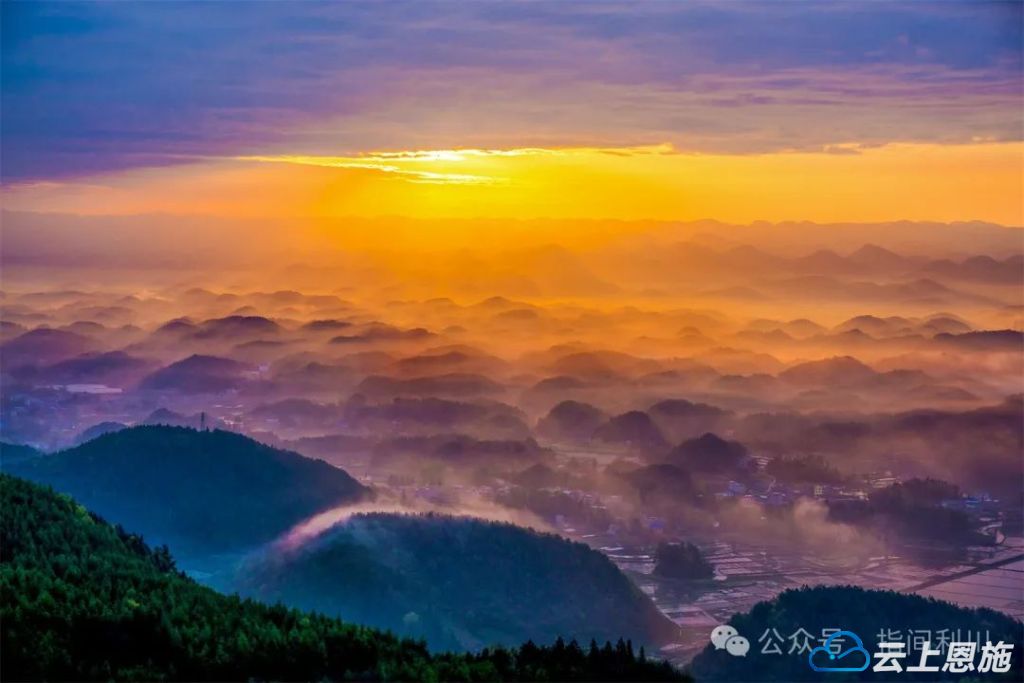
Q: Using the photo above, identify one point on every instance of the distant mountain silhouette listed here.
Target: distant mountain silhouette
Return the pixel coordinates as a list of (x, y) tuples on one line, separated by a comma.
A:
[(10, 329), (571, 421), (897, 326), (178, 327), (708, 454), (680, 419), (525, 315), (832, 288), (454, 385), (840, 370), (500, 303), (1009, 271), (559, 383), (113, 368), (945, 322), (802, 327), (326, 325), (236, 327), (198, 374), (602, 365), (661, 482), (86, 328), (875, 326), (635, 429), (540, 476), (821, 261), (14, 453), (232, 329), (43, 346), (297, 412), (873, 258), (675, 408), (984, 340), (458, 451), (450, 360), (436, 415), (98, 430), (775, 337), (381, 332), (334, 448)]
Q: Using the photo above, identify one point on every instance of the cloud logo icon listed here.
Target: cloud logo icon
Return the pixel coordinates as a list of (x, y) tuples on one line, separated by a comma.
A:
[(855, 658)]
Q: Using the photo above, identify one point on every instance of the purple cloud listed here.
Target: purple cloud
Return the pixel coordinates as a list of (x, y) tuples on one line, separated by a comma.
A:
[(100, 87)]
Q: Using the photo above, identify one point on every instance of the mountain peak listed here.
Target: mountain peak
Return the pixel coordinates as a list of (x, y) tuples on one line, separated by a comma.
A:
[(195, 490)]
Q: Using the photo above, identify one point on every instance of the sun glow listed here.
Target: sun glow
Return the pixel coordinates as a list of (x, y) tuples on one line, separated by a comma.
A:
[(651, 182), (404, 164)]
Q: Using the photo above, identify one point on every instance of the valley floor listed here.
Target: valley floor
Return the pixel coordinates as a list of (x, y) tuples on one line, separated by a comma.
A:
[(987, 577)]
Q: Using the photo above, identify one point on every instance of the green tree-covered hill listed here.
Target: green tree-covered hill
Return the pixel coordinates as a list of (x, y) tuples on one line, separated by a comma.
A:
[(866, 613), (458, 582), (83, 600), (200, 492)]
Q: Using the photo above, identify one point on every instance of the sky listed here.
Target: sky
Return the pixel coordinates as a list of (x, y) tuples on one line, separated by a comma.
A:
[(738, 111)]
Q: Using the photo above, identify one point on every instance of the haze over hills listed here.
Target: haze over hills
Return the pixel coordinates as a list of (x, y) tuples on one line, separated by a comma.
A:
[(276, 370), (747, 398), (507, 323), (34, 238), (214, 494), (198, 374)]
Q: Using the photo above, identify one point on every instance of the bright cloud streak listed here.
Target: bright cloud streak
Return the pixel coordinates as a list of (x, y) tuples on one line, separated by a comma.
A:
[(386, 164), (406, 163)]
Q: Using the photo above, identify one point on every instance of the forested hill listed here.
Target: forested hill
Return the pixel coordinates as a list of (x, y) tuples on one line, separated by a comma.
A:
[(83, 600), (458, 582), (198, 491), (866, 613)]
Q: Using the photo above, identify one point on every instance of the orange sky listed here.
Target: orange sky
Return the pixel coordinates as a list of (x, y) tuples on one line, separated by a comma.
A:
[(897, 181), (739, 112)]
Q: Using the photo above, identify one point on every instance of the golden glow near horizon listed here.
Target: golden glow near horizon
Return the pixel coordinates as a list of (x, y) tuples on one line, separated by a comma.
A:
[(843, 184), (408, 165)]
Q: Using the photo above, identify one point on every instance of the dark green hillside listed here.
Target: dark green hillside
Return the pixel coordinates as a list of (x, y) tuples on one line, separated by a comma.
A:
[(11, 453), (82, 600), (866, 613), (460, 583), (198, 491)]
